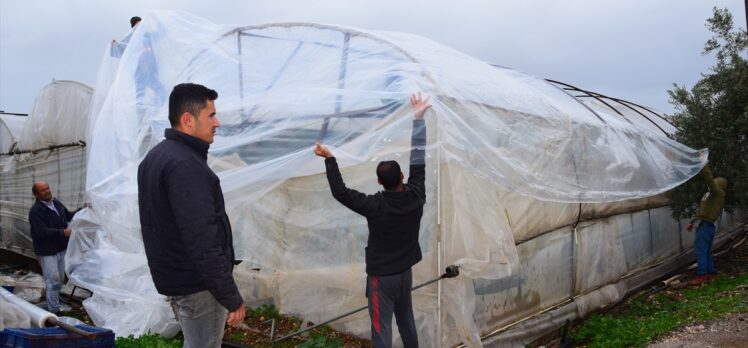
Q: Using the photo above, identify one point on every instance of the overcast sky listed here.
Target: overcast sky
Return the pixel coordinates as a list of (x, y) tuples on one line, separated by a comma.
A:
[(633, 49)]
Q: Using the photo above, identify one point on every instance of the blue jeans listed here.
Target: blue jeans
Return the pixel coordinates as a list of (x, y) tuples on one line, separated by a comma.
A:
[(53, 270), (703, 248), (202, 319)]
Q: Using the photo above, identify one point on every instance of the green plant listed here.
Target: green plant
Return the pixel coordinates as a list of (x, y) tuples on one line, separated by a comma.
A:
[(265, 311), (237, 336), (319, 340), (714, 115), (647, 317), (149, 341)]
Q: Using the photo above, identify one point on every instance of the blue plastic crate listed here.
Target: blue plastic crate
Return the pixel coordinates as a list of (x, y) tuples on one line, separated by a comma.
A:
[(56, 338)]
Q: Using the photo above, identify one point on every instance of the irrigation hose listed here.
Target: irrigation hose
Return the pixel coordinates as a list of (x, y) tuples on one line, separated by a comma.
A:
[(450, 272)]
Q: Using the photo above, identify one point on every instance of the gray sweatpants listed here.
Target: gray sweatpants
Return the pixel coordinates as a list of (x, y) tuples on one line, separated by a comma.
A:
[(387, 295)]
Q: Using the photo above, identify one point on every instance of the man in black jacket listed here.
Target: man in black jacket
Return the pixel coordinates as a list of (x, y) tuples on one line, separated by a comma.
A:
[(394, 219), (186, 231), (50, 234)]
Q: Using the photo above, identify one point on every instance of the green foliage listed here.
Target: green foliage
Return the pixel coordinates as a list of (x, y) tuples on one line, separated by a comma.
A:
[(149, 341), (714, 115), (237, 336), (264, 311), (319, 340), (650, 316)]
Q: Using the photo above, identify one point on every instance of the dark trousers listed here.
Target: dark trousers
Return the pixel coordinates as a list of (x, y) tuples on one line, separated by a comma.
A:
[(391, 295)]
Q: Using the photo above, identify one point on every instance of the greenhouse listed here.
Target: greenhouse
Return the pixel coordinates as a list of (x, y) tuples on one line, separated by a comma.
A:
[(48, 144), (550, 199)]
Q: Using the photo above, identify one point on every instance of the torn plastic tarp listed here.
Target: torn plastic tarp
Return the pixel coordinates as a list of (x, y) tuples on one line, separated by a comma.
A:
[(282, 87)]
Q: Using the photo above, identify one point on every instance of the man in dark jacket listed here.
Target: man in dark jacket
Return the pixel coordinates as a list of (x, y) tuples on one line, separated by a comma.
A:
[(186, 231), (50, 234), (394, 219)]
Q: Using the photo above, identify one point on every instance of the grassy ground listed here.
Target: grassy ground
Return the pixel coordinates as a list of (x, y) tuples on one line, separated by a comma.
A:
[(647, 317), (256, 333), (644, 317)]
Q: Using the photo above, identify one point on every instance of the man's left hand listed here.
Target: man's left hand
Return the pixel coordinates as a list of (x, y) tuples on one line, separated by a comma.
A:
[(236, 317)]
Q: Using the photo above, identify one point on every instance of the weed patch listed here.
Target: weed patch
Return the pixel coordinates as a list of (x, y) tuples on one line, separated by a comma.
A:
[(149, 341), (647, 317)]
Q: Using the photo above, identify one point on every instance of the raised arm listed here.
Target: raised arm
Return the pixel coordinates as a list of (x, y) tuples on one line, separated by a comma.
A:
[(352, 199), (417, 174), (706, 173)]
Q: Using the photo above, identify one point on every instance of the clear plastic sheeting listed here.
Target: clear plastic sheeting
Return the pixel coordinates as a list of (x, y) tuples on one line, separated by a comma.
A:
[(11, 127), (492, 133), (37, 317), (11, 315), (58, 116), (124, 298)]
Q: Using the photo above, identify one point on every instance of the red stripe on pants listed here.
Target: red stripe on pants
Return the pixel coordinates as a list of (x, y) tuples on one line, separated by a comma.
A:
[(375, 304)]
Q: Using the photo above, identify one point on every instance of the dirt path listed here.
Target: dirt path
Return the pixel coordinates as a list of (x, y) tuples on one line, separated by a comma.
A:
[(730, 331)]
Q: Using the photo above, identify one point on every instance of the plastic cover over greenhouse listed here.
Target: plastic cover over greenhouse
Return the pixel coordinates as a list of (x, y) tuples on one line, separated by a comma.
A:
[(550, 203)]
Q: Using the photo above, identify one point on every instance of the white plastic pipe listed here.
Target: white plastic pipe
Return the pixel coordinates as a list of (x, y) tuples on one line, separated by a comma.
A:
[(37, 315)]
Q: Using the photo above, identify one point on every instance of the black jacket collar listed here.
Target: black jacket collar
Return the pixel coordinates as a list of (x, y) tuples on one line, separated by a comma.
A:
[(43, 207), (198, 145)]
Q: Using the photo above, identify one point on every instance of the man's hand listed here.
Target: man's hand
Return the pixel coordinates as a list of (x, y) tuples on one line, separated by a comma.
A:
[(689, 227), (236, 317), (322, 151), (67, 232), (419, 105)]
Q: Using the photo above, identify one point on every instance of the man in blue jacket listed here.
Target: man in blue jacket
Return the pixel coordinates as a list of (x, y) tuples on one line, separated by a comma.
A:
[(394, 219), (186, 231), (50, 234), (146, 72)]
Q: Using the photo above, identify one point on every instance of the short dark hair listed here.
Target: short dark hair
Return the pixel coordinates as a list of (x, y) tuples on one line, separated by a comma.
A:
[(134, 20), (34, 190), (388, 173), (188, 97)]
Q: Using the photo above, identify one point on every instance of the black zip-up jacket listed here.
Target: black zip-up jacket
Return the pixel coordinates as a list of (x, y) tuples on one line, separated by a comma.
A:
[(183, 220), (394, 218), (47, 228)]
